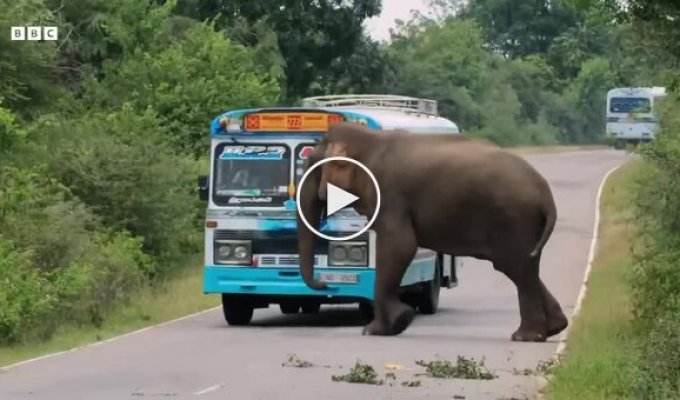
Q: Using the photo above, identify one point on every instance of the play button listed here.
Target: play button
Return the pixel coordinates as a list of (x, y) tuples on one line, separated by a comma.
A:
[(337, 199)]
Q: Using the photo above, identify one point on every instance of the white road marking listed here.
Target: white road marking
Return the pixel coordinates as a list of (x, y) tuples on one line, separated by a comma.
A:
[(589, 266), (109, 340), (209, 389)]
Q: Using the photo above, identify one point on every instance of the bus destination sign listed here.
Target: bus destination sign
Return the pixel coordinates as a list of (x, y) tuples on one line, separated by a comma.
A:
[(290, 122)]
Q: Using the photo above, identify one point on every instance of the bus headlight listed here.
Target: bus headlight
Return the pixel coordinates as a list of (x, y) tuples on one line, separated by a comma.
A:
[(233, 252), (223, 251), (241, 252), (347, 254)]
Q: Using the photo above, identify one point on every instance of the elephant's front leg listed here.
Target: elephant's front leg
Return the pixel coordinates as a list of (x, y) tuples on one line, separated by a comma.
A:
[(394, 253)]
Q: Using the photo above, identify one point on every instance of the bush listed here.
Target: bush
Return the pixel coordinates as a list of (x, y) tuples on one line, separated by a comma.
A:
[(112, 268), (37, 213), (9, 129), (26, 298), (659, 376), (122, 166), (656, 277), (60, 266)]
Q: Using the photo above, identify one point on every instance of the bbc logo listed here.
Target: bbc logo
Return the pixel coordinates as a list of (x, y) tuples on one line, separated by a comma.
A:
[(34, 33)]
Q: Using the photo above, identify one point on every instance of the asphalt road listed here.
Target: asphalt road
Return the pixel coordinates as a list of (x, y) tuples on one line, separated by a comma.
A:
[(202, 358)]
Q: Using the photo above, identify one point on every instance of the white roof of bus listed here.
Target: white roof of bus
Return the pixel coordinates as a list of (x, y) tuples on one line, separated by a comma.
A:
[(395, 119), (631, 91), (389, 111)]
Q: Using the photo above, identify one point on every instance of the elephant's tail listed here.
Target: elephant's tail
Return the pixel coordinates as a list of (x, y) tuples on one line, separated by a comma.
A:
[(549, 219)]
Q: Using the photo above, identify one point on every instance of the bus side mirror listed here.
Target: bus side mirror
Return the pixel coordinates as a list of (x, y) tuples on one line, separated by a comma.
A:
[(203, 188)]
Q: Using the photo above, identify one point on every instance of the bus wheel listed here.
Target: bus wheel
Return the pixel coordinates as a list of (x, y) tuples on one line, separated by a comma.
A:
[(311, 308), (620, 144), (366, 309), (428, 299), (237, 312), (289, 308)]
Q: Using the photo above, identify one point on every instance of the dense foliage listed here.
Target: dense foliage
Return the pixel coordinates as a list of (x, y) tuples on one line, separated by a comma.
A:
[(102, 135), (655, 279), (103, 132)]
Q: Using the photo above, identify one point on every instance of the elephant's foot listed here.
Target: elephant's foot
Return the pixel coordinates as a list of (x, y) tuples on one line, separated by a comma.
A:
[(528, 335), (402, 316), (557, 324)]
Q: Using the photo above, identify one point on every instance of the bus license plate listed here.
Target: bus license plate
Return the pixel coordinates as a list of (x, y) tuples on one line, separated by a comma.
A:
[(339, 278)]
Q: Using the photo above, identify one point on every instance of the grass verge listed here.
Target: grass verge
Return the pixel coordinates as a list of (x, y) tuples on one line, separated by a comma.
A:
[(600, 357), (181, 294)]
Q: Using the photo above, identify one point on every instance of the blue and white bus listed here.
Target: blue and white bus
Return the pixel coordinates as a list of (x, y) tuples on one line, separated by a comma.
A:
[(257, 158)]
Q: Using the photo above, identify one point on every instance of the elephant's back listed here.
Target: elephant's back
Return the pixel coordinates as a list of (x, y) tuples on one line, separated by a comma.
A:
[(459, 175)]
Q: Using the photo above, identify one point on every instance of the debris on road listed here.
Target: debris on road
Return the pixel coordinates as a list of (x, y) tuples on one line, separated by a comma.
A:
[(543, 368), (296, 362), (546, 367), (464, 368), (360, 373), (411, 383)]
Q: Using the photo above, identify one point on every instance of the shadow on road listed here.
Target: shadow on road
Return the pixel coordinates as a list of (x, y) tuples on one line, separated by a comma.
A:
[(327, 317), (348, 316)]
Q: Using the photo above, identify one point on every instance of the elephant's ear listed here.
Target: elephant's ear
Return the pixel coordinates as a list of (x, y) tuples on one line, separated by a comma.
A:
[(318, 153), (348, 139)]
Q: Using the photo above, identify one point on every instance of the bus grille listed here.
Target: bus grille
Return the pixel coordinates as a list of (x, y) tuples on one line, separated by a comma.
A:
[(274, 260)]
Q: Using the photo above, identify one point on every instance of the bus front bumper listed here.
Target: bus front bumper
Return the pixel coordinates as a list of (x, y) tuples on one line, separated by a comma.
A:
[(286, 281)]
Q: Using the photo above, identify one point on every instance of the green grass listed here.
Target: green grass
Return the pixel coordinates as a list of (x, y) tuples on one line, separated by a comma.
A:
[(179, 295), (600, 357)]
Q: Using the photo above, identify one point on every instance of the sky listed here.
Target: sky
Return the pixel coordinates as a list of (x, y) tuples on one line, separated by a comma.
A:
[(379, 27)]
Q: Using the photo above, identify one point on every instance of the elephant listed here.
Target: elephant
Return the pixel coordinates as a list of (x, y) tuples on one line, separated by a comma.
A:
[(446, 193)]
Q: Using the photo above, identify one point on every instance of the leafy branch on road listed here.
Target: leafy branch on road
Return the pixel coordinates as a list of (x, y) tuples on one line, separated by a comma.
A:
[(463, 368), (360, 373)]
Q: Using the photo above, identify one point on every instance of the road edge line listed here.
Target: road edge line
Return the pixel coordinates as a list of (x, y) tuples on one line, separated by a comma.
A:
[(562, 346), (109, 340)]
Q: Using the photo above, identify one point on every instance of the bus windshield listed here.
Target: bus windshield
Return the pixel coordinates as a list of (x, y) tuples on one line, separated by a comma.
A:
[(625, 105), (251, 175)]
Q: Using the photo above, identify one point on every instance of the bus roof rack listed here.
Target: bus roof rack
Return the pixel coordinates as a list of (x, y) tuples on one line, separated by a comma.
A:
[(401, 103)]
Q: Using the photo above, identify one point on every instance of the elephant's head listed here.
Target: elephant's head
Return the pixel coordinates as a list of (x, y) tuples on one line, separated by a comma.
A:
[(355, 142), (345, 140)]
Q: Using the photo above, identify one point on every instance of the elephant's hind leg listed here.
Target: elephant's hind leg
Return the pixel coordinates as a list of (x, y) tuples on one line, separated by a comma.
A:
[(394, 254), (523, 271), (557, 321)]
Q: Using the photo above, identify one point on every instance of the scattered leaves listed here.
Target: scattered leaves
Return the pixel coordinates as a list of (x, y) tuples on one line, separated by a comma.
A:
[(543, 368), (546, 367), (360, 373), (411, 383), (464, 368)]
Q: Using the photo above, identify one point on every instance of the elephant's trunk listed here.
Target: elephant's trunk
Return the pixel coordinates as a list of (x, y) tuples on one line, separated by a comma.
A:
[(311, 206)]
